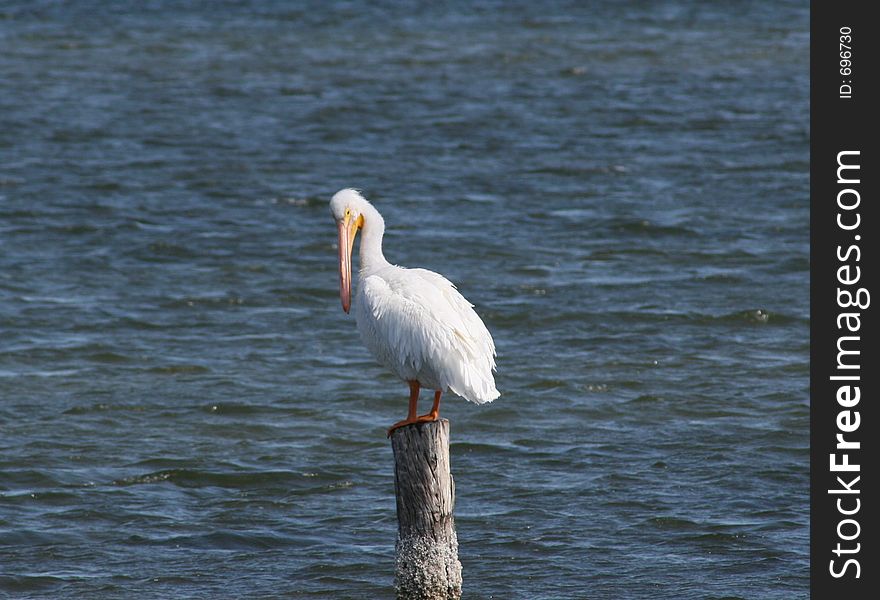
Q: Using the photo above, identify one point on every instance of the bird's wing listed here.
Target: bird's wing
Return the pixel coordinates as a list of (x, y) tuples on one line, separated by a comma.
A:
[(416, 317), (459, 315)]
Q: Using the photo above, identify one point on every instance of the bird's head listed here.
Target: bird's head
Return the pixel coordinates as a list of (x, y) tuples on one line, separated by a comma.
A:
[(347, 207)]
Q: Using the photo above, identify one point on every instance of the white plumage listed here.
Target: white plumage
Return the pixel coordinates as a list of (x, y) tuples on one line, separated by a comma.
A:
[(414, 321), (421, 328)]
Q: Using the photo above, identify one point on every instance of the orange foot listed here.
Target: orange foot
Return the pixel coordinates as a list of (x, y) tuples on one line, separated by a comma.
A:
[(428, 418)]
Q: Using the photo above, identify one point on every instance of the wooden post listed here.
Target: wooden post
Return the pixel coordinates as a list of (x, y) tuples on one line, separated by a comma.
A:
[(427, 547)]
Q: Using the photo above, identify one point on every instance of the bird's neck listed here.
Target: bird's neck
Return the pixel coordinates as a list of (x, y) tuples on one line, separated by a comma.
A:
[(372, 232)]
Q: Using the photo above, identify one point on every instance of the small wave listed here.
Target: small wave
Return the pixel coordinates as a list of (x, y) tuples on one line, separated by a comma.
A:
[(51, 498), (196, 478), (675, 523), (147, 478), (486, 447), (30, 583), (191, 301), (646, 227), (100, 407), (229, 540), (170, 249), (546, 384), (720, 278), (717, 540), (106, 186), (161, 464), (300, 201), (57, 299), (231, 408), (74, 229), (108, 357), (60, 373), (576, 170), (645, 399), (179, 369), (139, 324), (754, 316), (758, 316)]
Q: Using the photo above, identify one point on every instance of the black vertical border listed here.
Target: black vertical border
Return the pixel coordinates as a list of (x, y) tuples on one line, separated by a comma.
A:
[(842, 124)]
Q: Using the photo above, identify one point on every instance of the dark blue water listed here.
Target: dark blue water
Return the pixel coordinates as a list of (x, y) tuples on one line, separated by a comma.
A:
[(620, 188)]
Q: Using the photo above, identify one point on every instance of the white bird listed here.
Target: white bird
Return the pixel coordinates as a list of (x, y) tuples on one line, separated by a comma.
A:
[(414, 321)]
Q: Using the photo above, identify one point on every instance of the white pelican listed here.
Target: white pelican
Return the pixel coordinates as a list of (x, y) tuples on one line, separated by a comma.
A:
[(414, 321)]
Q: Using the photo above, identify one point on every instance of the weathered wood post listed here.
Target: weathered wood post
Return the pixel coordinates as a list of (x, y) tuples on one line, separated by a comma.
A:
[(427, 547)]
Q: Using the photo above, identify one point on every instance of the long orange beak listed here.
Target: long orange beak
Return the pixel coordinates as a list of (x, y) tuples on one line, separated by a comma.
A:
[(347, 232)]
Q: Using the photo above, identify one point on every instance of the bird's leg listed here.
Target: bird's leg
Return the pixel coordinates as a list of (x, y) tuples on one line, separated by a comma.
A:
[(414, 389), (413, 401), (435, 410)]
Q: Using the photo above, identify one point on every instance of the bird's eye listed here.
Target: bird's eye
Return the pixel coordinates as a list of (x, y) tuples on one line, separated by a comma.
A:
[(347, 212)]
